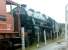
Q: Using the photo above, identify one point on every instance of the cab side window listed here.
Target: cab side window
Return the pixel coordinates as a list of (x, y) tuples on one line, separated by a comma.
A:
[(2, 18)]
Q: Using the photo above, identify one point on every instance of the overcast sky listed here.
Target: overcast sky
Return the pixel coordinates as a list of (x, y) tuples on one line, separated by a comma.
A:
[(53, 8)]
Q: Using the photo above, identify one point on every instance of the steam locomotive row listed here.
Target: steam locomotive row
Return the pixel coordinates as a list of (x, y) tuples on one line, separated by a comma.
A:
[(34, 22)]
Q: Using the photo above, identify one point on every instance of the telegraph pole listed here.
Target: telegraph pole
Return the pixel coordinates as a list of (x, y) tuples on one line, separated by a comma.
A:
[(66, 22)]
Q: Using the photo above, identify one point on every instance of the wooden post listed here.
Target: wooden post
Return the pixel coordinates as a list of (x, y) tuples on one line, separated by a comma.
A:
[(57, 35), (38, 38), (45, 36), (51, 34), (23, 38)]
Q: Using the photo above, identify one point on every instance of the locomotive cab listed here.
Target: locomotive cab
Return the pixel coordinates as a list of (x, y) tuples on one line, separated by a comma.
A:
[(6, 21), (7, 30)]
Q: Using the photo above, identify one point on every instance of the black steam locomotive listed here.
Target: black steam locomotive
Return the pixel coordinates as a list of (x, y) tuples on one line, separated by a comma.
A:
[(34, 22)]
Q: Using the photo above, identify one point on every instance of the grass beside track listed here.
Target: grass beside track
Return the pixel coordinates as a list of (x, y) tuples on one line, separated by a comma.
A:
[(34, 46)]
